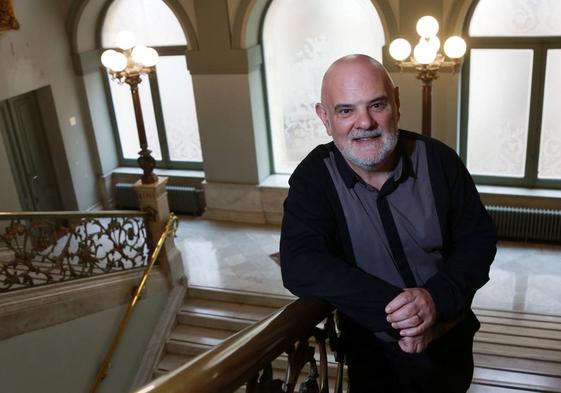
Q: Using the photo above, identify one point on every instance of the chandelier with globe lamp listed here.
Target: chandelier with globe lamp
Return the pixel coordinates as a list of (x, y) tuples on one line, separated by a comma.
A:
[(427, 60), (127, 64)]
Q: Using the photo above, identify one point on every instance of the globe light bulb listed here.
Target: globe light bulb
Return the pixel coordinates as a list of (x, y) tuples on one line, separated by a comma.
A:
[(148, 57), (125, 40), (118, 62), (400, 49), (455, 47), (138, 53), (427, 26), (107, 58), (434, 42), (424, 53)]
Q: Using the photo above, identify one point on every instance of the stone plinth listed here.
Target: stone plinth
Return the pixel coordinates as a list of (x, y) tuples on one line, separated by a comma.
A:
[(153, 197)]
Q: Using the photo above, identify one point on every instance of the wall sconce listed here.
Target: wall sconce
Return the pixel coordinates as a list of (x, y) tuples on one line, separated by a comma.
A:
[(8, 19), (427, 60), (126, 66)]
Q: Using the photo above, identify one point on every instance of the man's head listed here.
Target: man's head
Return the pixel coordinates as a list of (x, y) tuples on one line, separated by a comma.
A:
[(360, 110)]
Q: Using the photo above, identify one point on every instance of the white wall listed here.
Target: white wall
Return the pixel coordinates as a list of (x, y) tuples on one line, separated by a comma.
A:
[(37, 55)]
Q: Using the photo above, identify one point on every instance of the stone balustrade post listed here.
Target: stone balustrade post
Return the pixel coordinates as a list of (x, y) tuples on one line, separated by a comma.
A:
[(154, 198)]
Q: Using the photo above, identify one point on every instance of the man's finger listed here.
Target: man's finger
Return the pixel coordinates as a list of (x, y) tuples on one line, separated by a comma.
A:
[(407, 323), (399, 301), (405, 312), (415, 331), (406, 345)]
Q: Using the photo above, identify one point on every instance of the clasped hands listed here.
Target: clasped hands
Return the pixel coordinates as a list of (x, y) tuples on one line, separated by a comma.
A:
[(413, 313)]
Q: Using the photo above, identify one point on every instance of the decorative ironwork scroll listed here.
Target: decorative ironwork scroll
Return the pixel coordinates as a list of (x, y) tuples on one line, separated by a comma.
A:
[(37, 249), (8, 19), (300, 354)]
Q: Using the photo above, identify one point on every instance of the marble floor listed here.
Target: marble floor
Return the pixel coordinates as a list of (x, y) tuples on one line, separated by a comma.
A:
[(524, 277)]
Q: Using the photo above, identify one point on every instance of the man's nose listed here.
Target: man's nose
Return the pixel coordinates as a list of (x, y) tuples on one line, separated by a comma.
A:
[(365, 120)]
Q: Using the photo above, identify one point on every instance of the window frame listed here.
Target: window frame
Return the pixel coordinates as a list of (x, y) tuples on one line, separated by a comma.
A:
[(165, 162), (539, 46)]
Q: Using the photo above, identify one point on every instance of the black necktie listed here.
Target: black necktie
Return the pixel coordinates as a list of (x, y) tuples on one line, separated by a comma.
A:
[(394, 240)]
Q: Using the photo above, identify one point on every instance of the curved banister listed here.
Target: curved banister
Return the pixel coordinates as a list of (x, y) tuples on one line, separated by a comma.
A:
[(239, 358), (19, 215)]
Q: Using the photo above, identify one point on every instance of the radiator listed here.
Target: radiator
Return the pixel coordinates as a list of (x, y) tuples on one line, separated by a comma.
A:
[(182, 199), (527, 224)]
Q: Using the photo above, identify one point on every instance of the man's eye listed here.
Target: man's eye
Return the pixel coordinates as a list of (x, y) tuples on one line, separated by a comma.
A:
[(378, 106), (344, 111)]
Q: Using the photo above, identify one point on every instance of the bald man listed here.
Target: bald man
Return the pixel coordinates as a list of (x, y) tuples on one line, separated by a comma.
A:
[(388, 227)]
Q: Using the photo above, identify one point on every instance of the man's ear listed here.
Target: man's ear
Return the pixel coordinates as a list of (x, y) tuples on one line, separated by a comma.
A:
[(397, 102), (322, 114)]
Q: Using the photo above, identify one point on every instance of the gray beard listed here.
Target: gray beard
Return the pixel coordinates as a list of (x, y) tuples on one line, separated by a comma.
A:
[(390, 142)]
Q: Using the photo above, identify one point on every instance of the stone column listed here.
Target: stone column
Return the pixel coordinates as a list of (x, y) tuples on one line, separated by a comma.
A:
[(154, 198)]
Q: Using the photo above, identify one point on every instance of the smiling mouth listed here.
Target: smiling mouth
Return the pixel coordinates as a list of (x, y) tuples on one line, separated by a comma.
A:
[(366, 138)]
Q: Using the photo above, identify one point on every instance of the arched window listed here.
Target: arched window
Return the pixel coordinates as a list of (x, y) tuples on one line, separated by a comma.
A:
[(511, 126), (300, 39), (167, 100)]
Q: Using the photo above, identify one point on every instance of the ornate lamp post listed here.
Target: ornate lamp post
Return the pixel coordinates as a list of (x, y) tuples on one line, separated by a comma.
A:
[(126, 66), (427, 60)]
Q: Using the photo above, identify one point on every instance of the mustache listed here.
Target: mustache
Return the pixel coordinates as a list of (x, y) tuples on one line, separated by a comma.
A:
[(357, 134)]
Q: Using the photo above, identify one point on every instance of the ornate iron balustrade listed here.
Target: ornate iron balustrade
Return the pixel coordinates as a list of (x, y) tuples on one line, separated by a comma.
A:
[(38, 248), (246, 358)]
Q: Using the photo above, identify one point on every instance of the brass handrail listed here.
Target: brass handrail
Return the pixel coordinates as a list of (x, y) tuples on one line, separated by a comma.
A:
[(239, 358), (170, 228), (18, 215)]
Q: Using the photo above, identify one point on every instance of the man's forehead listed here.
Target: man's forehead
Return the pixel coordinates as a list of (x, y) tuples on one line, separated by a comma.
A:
[(350, 87), (352, 78)]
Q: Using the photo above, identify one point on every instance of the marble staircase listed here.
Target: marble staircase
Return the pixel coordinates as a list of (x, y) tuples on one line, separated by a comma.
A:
[(513, 352)]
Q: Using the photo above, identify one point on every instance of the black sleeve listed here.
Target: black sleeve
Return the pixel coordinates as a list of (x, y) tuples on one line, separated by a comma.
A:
[(311, 258), (470, 244)]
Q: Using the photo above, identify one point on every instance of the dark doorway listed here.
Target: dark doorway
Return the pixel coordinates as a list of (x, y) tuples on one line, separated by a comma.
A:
[(29, 154)]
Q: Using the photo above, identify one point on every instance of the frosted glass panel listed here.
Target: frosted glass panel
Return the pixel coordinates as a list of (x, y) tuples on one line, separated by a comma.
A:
[(126, 123), (499, 108), (516, 18), (178, 105), (152, 22), (301, 38), (549, 165)]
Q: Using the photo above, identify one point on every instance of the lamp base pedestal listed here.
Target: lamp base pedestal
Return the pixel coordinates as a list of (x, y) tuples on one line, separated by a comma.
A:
[(153, 197)]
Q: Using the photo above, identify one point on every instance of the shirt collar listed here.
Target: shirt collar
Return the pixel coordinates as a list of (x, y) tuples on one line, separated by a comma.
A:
[(403, 169)]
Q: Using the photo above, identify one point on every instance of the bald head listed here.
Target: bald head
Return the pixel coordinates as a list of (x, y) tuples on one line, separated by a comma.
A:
[(350, 67)]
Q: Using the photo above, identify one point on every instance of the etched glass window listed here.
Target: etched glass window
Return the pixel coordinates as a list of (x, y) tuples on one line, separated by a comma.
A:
[(167, 100), (550, 142), (300, 39), (151, 21), (176, 93), (126, 122), (516, 18), (511, 121), (499, 109)]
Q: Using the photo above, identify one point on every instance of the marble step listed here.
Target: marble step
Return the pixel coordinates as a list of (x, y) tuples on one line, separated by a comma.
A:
[(477, 388), (514, 380), (240, 297), (221, 314), (516, 317), (525, 366)]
